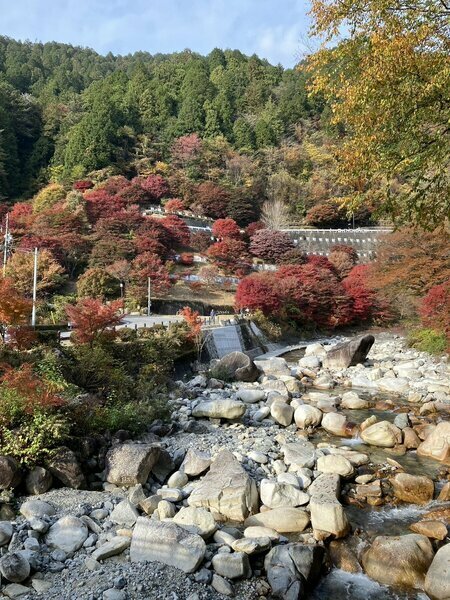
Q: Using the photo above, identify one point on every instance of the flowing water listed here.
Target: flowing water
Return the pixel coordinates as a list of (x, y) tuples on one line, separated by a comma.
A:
[(373, 521)]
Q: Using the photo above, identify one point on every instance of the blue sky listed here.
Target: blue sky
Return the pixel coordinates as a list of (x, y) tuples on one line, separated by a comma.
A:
[(274, 29)]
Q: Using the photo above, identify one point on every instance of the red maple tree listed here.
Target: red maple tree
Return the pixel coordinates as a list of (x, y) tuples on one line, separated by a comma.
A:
[(226, 228), (93, 321)]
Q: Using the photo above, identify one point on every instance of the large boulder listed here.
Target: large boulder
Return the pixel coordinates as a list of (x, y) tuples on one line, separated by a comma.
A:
[(226, 490), (416, 489), (336, 424), (38, 481), (275, 366), (232, 566), (130, 464), (335, 463), (348, 354), (282, 413), (327, 513), (168, 543), (275, 494), (282, 520), (399, 560), (293, 569), (65, 467), (437, 580), (219, 409), (68, 534), (236, 366), (437, 444), (10, 475), (196, 520), (299, 454), (382, 434), (195, 462), (14, 567)]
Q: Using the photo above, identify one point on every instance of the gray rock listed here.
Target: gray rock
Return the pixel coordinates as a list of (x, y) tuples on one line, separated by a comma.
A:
[(68, 534), (115, 546), (347, 354), (166, 510), (150, 504), (38, 481), (36, 508), (177, 480), (221, 585), (124, 513), (293, 569), (275, 494), (195, 462), (236, 366), (130, 464), (6, 531), (282, 520), (226, 490), (219, 409), (232, 566), (15, 590), (299, 454), (167, 543), (15, 567), (261, 414), (10, 475), (64, 466), (282, 413), (250, 396)]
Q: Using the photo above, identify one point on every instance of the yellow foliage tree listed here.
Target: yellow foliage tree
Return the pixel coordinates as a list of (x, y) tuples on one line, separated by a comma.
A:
[(387, 82)]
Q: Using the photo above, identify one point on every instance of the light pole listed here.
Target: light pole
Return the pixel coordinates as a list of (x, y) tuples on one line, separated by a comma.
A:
[(35, 268), (149, 301), (6, 243)]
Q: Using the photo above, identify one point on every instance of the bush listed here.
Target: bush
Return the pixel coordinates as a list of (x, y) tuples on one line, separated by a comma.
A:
[(34, 441), (428, 340), (268, 327)]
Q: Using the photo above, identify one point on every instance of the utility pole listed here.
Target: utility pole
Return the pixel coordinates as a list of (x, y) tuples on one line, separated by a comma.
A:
[(33, 312), (149, 301), (6, 242)]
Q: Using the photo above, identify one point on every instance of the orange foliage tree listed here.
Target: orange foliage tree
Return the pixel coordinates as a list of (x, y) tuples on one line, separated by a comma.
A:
[(94, 321), (15, 310)]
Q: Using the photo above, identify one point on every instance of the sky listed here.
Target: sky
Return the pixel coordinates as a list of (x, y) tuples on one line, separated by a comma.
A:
[(273, 29)]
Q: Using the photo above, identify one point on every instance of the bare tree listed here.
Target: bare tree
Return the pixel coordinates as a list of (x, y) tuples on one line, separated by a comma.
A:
[(275, 214)]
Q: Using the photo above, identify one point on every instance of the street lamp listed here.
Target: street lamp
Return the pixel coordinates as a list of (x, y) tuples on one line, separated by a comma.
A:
[(149, 301)]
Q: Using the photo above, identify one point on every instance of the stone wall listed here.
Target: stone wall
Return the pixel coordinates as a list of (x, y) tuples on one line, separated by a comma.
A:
[(320, 241)]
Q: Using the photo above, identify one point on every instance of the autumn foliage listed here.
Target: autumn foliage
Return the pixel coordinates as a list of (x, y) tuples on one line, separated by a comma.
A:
[(226, 228), (435, 308), (93, 321)]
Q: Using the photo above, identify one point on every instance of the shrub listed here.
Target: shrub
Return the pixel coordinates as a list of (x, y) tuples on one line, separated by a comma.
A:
[(270, 244), (428, 340), (34, 441), (435, 308), (272, 330)]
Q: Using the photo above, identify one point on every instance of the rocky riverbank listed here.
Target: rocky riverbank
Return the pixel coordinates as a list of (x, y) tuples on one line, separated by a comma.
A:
[(265, 484)]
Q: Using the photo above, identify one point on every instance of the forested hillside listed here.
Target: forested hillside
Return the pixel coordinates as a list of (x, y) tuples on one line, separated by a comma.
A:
[(66, 112)]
